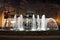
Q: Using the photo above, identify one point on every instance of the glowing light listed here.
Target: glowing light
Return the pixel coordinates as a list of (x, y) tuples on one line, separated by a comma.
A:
[(12, 21)]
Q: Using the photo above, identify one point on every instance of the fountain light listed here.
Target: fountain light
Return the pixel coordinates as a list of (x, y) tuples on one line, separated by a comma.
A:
[(37, 24)]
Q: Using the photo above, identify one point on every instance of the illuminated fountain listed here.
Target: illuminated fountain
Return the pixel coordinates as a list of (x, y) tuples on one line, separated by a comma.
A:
[(20, 23), (38, 23), (15, 22), (33, 23), (43, 23), (52, 25)]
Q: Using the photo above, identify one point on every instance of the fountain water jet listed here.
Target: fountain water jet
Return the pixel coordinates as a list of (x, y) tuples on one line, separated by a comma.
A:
[(18, 23), (33, 23), (21, 23), (53, 25), (15, 22), (43, 22), (38, 23)]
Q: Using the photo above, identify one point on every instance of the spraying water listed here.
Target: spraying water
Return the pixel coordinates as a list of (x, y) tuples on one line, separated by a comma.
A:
[(21, 23), (52, 23), (33, 23), (15, 22), (43, 22), (38, 23)]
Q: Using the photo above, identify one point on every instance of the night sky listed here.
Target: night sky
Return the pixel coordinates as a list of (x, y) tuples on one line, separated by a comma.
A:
[(41, 6), (16, 2), (34, 1)]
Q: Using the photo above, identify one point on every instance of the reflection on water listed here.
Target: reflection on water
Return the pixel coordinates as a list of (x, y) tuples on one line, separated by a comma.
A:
[(31, 24)]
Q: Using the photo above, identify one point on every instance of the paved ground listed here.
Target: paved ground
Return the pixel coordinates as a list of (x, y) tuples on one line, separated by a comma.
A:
[(16, 35)]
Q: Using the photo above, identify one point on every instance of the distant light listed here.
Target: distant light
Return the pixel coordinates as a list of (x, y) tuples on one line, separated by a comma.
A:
[(12, 21), (7, 21)]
